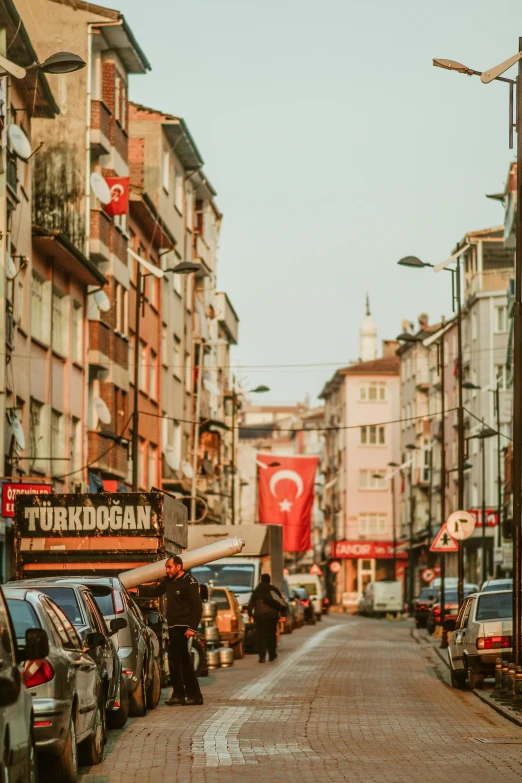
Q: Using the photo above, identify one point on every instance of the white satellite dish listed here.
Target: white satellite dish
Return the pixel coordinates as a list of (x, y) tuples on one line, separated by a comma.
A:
[(102, 300), (20, 144), (11, 270), (171, 457), (102, 410), (187, 469), (100, 188), (154, 270), (18, 432)]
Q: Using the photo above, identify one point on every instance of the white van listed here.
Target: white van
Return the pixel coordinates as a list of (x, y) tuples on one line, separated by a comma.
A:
[(381, 598), (312, 585)]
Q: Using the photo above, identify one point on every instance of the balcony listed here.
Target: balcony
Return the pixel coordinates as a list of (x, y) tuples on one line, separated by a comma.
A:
[(114, 461), (121, 141), (119, 245), (227, 317), (100, 241), (489, 280), (100, 128), (99, 345)]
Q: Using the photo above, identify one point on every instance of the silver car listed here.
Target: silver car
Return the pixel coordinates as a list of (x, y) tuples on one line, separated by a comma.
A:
[(482, 632), (65, 686)]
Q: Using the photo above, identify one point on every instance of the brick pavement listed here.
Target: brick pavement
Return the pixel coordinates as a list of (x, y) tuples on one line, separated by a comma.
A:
[(349, 699)]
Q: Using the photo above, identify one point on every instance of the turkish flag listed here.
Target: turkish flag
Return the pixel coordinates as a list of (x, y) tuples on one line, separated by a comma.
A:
[(286, 496), (119, 203)]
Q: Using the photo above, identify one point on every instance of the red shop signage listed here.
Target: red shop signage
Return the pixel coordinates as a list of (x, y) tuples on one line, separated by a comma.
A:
[(491, 517), (10, 491), (378, 550)]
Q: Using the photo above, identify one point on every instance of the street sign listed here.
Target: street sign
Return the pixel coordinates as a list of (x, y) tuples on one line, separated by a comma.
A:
[(335, 566), (460, 525), (315, 570), (443, 542), (428, 574)]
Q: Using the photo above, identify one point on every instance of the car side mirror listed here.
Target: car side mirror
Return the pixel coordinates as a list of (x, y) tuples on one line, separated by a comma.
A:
[(117, 624), (10, 688), (153, 618), (92, 640), (450, 623), (36, 644)]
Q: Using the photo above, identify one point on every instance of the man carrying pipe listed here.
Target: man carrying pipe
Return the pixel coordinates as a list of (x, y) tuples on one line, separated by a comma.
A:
[(184, 611)]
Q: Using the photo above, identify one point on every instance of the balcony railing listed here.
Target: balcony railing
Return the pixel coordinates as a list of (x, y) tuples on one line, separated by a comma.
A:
[(489, 280), (100, 241), (121, 141), (100, 128)]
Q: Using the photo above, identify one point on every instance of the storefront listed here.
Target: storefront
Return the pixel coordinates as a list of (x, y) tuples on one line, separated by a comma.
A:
[(366, 561)]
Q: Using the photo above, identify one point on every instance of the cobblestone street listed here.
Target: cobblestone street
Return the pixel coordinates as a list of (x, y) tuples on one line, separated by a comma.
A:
[(349, 699)]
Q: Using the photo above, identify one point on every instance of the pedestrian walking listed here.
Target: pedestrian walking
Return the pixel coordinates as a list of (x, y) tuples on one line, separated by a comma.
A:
[(184, 611), (266, 605)]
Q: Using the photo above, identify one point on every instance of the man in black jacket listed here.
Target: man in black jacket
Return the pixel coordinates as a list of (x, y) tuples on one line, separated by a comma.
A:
[(266, 604), (184, 611)]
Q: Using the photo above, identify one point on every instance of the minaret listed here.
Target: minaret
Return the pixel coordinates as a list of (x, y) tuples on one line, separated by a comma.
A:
[(368, 336)]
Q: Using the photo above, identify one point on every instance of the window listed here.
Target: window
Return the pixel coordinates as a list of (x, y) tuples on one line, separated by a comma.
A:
[(188, 374), (164, 346), (373, 435), (176, 357), (57, 440), (141, 462), (372, 524), (474, 326), (501, 376), (153, 464), (121, 311), (153, 375), (153, 292), (131, 360), (19, 305), (37, 432), (40, 308), (178, 196), (142, 369), (501, 318), (165, 176), (77, 332), (372, 479), (75, 445), (59, 322), (374, 391), (190, 210)]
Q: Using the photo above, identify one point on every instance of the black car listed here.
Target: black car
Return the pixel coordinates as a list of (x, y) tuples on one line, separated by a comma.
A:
[(309, 614), (423, 605), (78, 604)]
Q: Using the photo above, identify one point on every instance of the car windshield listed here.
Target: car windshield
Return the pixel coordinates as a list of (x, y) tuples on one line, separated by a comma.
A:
[(452, 596), (310, 587), (426, 594), (505, 585), (24, 617), (495, 606), (66, 600), (238, 578)]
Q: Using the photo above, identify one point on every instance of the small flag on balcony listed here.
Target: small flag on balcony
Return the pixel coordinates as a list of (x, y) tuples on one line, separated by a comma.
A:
[(119, 203)]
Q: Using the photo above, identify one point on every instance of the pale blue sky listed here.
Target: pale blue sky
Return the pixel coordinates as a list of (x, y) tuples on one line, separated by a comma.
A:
[(335, 148)]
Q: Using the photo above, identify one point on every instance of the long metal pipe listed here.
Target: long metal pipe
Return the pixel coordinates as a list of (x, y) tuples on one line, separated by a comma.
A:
[(460, 420), (204, 554)]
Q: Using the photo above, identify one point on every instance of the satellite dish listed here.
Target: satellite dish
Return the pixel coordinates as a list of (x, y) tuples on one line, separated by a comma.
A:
[(18, 432), (171, 457), (100, 188), (187, 470), (102, 410), (11, 270), (102, 300), (20, 144)]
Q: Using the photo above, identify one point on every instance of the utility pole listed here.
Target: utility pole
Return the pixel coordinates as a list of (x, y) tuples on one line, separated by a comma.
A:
[(135, 413), (233, 461), (460, 421), (499, 473), (444, 641)]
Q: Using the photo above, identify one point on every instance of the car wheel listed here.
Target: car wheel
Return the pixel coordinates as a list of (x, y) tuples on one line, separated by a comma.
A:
[(239, 651), (116, 719), (475, 680), (31, 775), (91, 750), (154, 688), (458, 679), (64, 768), (138, 705)]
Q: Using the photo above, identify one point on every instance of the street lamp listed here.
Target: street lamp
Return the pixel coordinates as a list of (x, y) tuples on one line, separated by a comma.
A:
[(495, 74), (61, 62), (485, 432)]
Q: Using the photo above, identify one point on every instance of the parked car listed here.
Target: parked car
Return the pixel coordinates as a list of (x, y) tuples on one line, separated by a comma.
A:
[(18, 762), (78, 604), (308, 609), (299, 614), (65, 686), (381, 598), (496, 585), (481, 633), (229, 619), (451, 604), (312, 585), (137, 644), (422, 606)]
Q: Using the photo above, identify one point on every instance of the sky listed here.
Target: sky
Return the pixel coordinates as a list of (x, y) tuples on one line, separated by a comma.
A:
[(336, 148)]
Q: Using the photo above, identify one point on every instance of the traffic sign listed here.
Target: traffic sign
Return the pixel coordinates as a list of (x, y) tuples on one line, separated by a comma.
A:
[(335, 566), (461, 525), (428, 574), (443, 542), (315, 570)]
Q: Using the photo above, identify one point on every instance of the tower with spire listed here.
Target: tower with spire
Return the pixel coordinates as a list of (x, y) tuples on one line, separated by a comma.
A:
[(368, 336)]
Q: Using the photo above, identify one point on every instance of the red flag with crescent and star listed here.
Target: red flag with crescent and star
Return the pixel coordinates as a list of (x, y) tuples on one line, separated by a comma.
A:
[(286, 496), (119, 203)]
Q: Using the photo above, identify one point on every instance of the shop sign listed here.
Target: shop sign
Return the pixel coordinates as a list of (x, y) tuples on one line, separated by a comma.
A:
[(371, 550), (491, 517), (10, 492)]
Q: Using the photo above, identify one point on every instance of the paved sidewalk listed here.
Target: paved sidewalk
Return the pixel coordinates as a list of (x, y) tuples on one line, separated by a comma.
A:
[(350, 699)]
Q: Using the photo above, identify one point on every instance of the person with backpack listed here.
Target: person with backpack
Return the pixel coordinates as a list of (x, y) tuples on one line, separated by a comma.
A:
[(265, 606)]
